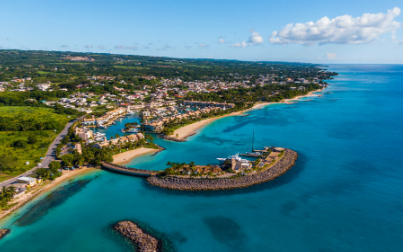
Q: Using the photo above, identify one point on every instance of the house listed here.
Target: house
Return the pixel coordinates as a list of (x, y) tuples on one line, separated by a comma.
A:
[(89, 121), (43, 86), (157, 126), (27, 180)]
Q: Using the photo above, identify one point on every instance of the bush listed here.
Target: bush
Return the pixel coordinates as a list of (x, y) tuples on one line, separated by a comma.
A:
[(20, 144), (32, 139)]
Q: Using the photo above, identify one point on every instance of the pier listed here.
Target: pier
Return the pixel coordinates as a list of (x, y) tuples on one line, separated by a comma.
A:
[(126, 170)]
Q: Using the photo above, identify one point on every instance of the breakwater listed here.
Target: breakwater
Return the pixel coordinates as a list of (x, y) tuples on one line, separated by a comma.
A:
[(144, 242), (126, 170), (4, 232), (190, 184)]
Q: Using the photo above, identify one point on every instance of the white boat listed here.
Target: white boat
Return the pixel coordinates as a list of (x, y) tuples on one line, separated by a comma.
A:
[(236, 157)]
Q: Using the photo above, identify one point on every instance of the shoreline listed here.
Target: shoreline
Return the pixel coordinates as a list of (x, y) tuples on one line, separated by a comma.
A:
[(127, 156), (22, 200), (192, 129)]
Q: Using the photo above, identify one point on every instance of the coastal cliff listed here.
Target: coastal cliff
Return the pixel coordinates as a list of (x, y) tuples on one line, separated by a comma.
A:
[(144, 242), (189, 184)]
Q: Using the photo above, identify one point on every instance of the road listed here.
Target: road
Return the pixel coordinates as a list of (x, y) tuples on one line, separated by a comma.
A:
[(50, 155)]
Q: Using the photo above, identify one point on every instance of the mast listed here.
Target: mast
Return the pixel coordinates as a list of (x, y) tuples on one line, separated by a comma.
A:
[(253, 139)]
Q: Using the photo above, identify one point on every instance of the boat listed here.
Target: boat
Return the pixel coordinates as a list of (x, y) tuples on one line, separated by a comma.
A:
[(251, 154), (236, 157)]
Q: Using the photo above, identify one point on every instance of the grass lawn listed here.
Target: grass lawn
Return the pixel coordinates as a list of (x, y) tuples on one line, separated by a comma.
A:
[(32, 152), (38, 113)]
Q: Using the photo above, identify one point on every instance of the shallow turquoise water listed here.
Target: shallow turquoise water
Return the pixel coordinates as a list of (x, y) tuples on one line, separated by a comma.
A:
[(344, 194)]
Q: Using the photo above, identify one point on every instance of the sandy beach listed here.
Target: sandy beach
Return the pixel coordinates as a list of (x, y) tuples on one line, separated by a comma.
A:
[(310, 94), (44, 187), (126, 157), (191, 129)]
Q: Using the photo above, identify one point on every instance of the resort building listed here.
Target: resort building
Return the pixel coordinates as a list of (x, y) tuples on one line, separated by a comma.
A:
[(120, 140), (84, 133)]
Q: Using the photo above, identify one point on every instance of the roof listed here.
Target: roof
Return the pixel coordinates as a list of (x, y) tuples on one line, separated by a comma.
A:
[(27, 179)]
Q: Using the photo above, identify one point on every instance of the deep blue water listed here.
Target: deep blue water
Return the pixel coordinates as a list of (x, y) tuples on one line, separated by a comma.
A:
[(344, 193)]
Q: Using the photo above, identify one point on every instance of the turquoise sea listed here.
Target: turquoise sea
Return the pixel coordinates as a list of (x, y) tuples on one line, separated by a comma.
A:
[(345, 192)]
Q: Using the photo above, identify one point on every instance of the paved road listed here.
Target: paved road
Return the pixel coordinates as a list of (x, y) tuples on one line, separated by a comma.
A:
[(50, 155)]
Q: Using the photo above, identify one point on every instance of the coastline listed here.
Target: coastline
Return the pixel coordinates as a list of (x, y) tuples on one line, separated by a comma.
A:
[(22, 200), (189, 130), (128, 156)]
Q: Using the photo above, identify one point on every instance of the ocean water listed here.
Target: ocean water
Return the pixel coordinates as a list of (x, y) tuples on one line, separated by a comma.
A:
[(344, 193)]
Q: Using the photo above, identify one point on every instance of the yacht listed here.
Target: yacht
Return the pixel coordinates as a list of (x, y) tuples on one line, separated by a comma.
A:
[(236, 157)]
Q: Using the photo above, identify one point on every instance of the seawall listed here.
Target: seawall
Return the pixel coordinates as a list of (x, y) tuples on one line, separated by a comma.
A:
[(190, 184)]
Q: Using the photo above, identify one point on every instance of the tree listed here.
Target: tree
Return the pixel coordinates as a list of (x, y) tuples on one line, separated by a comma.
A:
[(32, 139), (68, 159), (54, 165), (7, 162), (20, 144), (192, 164), (43, 173)]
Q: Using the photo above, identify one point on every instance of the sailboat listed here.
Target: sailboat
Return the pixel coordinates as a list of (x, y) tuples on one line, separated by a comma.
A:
[(253, 153)]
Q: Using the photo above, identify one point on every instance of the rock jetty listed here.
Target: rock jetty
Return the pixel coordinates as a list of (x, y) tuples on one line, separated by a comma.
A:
[(190, 184), (4, 232), (144, 242)]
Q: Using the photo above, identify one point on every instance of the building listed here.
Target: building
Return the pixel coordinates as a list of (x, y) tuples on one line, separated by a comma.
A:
[(77, 147), (84, 133), (27, 180), (89, 121), (157, 126), (43, 86), (209, 104)]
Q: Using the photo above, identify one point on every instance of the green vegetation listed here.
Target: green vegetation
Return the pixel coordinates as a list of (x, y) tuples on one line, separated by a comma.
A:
[(31, 119), (25, 135), (6, 195)]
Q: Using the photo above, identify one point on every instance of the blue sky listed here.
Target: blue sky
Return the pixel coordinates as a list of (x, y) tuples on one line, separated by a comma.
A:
[(210, 29)]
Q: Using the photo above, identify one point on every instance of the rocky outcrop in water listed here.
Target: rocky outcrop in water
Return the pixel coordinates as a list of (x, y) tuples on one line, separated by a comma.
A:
[(4, 232), (144, 242), (283, 165)]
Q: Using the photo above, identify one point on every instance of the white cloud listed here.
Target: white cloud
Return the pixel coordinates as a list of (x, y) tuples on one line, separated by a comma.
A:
[(243, 44), (221, 41), (255, 38), (101, 47), (88, 46), (401, 42), (122, 47), (204, 46), (64, 46), (340, 30), (331, 56)]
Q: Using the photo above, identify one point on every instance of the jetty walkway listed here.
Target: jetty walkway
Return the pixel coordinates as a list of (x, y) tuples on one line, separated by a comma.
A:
[(127, 170)]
